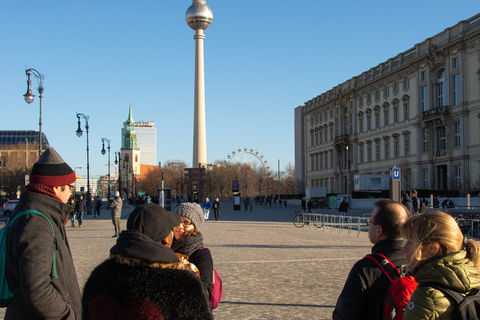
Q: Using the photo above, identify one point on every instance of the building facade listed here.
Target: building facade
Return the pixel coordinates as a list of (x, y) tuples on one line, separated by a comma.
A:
[(146, 141), (130, 156), (419, 111)]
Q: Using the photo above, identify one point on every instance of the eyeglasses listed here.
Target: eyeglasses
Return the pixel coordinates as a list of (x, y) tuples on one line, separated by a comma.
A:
[(72, 188), (187, 223)]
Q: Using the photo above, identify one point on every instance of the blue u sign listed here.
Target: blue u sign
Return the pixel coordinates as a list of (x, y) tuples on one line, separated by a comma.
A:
[(396, 173)]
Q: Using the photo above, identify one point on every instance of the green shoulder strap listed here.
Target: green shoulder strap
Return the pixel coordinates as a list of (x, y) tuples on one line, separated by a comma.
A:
[(55, 244)]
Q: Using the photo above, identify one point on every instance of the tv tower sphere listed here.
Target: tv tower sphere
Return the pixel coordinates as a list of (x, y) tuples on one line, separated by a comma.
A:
[(199, 15)]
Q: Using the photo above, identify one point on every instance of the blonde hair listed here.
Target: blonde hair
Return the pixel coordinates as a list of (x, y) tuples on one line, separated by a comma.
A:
[(435, 234)]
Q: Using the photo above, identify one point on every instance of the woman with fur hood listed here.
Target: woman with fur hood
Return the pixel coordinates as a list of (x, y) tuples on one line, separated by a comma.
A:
[(439, 256), (144, 278), (188, 242)]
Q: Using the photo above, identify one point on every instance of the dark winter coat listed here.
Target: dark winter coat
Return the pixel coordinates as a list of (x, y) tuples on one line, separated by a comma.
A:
[(80, 206), (363, 295), (343, 207), (143, 277), (407, 202), (416, 204), (216, 206), (29, 262)]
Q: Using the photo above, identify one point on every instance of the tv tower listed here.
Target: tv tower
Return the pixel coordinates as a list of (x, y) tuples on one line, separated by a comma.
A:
[(199, 17)]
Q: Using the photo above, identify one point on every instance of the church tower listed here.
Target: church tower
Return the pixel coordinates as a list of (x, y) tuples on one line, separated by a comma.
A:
[(130, 152)]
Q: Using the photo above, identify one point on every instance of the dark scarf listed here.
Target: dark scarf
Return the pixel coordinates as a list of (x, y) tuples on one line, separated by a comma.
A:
[(43, 190), (188, 245)]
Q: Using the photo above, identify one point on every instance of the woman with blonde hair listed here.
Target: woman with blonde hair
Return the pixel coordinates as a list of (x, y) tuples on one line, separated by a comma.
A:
[(439, 256)]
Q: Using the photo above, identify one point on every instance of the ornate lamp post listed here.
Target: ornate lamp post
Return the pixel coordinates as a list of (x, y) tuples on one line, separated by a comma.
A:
[(348, 175), (79, 134), (119, 163), (29, 96), (103, 152)]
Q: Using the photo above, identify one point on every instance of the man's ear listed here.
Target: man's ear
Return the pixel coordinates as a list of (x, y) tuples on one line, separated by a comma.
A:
[(380, 235)]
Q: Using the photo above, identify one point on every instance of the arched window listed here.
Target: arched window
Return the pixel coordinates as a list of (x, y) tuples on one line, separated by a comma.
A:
[(442, 88)]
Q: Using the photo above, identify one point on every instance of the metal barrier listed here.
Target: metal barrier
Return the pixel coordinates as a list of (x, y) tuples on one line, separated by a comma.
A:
[(334, 223)]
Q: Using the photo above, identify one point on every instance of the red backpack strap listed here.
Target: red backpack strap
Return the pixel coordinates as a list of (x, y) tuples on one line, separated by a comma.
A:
[(385, 265)]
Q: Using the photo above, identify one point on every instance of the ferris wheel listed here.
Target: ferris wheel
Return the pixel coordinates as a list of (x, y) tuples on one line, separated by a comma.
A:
[(245, 156)]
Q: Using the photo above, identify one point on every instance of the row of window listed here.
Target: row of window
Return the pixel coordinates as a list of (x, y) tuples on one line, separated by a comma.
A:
[(321, 161), (441, 96), (330, 182)]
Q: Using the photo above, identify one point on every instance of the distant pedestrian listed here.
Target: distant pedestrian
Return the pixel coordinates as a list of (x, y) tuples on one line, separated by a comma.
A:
[(216, 209), (72, 211), (206, 205), (407, 202), (80, 208), (343, 209), (250, 204), (116, 207), (245, 203), (309, 205), (98, 204), (415, 202), (303, 203)]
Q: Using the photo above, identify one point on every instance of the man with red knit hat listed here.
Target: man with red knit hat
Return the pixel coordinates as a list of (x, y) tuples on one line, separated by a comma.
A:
[(44, 280)]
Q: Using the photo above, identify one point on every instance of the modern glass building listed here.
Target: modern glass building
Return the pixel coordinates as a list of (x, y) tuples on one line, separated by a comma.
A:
[(146, 141), (14, 137)]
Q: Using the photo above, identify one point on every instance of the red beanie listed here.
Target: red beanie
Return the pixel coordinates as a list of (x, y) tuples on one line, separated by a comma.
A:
[(51, 170)]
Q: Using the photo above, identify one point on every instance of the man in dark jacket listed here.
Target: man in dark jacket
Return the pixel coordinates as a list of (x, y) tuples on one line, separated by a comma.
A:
[(30, 266), (216, 209), (415, 202), (80, 208), (407, 202), (144, 278), (363, 295), (343, 208)]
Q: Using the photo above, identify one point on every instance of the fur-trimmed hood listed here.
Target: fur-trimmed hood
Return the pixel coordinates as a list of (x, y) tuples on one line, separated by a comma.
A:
[(135, 262)]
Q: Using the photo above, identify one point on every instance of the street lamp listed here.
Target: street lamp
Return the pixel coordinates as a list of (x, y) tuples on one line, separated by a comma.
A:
[(119, 163), (103, 152), (29, 96), (348, 174), (79, 134)]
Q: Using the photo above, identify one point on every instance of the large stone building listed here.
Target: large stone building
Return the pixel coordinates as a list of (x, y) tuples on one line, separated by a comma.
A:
[(419, 111)]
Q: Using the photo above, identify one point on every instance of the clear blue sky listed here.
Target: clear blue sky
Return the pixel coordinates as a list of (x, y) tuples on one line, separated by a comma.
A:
[(262, 59)]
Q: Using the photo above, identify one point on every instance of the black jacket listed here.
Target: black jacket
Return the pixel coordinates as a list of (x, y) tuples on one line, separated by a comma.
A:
[(363, 295), (143, 277)]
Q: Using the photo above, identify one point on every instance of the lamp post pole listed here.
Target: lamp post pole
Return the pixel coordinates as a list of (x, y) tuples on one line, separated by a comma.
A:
[(79, 134), (119, 163), (103, 152), (348, 175), (29, 96)]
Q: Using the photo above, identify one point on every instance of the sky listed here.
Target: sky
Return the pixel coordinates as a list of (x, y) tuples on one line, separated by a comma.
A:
[(263, 59)]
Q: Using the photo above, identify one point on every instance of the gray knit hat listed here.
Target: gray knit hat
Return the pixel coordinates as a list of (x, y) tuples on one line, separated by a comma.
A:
[(193, 212)]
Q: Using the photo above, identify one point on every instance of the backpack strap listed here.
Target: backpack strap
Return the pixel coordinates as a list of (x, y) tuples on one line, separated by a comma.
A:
[(457, 296), (385, 265), (55, 243)]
